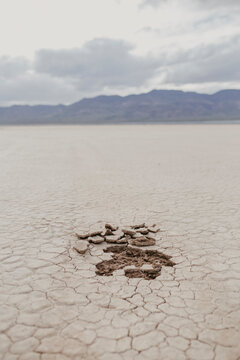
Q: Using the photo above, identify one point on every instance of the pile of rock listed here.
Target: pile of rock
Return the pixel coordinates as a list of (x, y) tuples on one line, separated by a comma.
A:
[(136, 263), (136, 235)]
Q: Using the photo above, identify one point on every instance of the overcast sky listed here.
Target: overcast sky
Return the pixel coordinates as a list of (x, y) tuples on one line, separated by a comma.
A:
[(59, 51)]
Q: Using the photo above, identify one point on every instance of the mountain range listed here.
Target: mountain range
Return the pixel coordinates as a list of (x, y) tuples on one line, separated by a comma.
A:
[(155, 106)]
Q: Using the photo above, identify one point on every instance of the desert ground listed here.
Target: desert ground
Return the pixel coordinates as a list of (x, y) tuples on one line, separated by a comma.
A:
[(56, 181)]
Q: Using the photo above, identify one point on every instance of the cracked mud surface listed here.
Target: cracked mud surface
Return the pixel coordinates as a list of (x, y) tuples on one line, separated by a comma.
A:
[(56, 181), (125, 256)]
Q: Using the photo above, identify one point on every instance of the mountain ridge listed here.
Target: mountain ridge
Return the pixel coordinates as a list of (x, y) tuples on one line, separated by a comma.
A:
[(154, 106)]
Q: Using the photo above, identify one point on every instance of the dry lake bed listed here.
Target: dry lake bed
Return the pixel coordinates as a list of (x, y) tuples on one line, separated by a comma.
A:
[(56, 181)]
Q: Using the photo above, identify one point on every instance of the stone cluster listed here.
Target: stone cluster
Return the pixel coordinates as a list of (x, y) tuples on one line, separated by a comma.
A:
[(136, 235), (136, 262)]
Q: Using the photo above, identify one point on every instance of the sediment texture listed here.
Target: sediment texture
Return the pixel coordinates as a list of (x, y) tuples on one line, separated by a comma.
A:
[(56, 181)]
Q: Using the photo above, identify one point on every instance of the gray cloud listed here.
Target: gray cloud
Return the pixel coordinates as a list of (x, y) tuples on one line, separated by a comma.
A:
[(218, 3), (36, 89), (200, 3), (12, 67), (99, 63), (209, 63), (154, 3)]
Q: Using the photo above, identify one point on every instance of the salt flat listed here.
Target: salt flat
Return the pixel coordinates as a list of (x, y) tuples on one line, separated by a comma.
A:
[(55, 181)]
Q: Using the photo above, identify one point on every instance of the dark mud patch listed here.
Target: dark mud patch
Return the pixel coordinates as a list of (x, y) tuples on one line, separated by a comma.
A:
[(124, 256)]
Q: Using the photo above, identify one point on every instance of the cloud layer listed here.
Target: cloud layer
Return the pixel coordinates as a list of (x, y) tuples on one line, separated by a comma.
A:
[(188, 49), (213, 63), (201, 3), (99, 63)]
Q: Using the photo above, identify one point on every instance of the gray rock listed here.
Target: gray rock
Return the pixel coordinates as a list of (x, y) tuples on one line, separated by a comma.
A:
[(96, 239), (123, 240), (153, 229), (112, 239), (143, 231), (82, 236), (108, 232), (119, 234), (142, 241), (81, 247), (138, 226), (95, 233), (129, 232), (110, 227)]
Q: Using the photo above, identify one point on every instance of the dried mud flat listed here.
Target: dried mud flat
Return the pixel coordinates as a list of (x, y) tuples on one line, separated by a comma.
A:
[(56, 181)]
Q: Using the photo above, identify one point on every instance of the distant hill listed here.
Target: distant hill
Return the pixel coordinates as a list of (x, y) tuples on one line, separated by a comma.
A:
[(155, 106)]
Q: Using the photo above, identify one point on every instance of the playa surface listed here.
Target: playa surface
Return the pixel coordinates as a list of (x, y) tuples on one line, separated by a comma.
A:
[(56, 181)]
